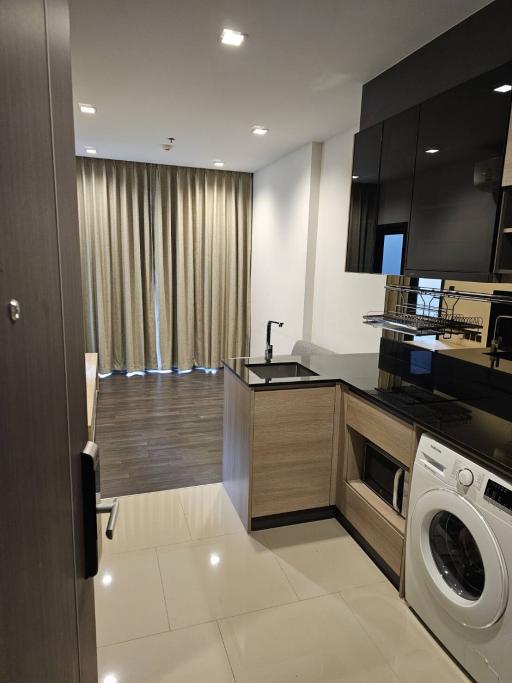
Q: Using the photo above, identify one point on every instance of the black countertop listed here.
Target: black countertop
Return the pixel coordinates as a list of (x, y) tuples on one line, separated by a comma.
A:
[(466, 403)]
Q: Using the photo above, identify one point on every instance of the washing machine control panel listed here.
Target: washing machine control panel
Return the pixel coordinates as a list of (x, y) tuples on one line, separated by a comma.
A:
[(465, 476), (498, 495)]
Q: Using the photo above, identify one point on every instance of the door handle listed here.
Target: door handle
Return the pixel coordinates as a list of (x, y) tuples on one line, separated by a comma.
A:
[(93, 506), (112, 510), (396, 483)]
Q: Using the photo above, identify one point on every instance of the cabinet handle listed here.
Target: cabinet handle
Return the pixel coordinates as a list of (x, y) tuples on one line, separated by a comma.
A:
[(396, 483), (112, 510)]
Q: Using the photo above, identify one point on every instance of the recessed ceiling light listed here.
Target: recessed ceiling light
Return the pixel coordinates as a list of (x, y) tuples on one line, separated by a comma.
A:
[(90, 150), (231, 37), (503, 88), (355, 177), (218, 163), (259, 130), (87, 108), (432, 150), (110, 678)]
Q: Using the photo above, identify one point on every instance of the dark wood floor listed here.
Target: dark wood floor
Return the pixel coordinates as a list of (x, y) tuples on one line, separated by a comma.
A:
[(159, 431)]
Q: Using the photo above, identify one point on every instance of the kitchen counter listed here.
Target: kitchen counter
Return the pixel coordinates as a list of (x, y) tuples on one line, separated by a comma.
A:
[(467, 404)]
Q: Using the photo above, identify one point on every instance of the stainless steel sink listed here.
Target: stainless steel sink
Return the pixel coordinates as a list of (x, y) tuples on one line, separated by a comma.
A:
[(279, 370)]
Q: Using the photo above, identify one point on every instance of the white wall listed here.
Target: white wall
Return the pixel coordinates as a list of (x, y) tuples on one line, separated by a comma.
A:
[(281, 198), (300, 221), (341, 298)]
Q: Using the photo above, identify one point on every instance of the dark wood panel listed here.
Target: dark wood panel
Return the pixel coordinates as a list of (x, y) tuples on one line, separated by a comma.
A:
[(38, 610), (476, 45), (237, 445), (63, 139), (159, 431)]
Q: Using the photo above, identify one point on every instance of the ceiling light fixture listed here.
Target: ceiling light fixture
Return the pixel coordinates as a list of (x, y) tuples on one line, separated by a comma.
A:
[(432, 150), (90, 150), (231, 37), (503, 88), (218, 163), (355, 177), (259, 130), (87, 108), (110, 678), (106, 579)]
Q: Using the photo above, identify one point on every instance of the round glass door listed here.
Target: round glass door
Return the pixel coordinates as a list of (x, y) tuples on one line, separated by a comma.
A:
[(456, 552), (456, 555)]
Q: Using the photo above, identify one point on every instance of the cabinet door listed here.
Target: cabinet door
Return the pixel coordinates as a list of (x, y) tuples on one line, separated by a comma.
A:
[(292, 450), (397, 167), (459, 164), (364, 201), (395, 191)]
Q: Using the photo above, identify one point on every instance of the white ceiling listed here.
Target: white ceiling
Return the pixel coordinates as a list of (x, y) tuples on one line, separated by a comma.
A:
[(156, 68)]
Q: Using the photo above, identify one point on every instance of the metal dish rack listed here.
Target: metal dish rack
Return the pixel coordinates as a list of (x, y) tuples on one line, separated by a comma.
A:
[(432, 313)]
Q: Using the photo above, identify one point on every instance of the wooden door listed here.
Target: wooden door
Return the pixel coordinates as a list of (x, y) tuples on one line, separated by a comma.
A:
[(47, 630), (292, 450)]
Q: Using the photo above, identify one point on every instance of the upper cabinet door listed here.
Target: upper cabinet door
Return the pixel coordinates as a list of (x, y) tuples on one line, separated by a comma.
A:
[(395, 191), (397, 167), (459, 165), (380, 203), (364, 200)]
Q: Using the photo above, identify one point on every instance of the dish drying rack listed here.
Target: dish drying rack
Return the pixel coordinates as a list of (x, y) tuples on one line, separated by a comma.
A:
[(432, 312)]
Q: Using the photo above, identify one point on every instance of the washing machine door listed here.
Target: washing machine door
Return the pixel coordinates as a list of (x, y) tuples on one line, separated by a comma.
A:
[(459, 557)]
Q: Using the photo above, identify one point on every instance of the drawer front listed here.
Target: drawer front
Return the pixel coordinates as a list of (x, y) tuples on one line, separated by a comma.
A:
[(392, 435), (377, 532), (292, 450)]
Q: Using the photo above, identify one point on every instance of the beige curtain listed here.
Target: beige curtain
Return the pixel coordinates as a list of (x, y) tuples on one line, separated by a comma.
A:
[(166, 264)]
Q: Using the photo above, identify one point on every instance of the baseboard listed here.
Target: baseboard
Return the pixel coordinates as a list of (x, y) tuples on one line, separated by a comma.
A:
[(372, 554), (298, 517)]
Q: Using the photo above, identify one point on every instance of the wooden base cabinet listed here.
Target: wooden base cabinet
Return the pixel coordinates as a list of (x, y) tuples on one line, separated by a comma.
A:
[(292, 450), (279, 448), (380, 526)]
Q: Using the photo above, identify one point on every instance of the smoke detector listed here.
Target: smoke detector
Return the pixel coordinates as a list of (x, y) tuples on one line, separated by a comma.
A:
[(169, 145)]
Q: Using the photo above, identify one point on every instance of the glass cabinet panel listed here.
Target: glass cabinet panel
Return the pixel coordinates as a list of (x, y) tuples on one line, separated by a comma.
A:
[(459, 164)]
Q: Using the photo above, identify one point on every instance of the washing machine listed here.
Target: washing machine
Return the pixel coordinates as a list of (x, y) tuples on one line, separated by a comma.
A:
[(459, 559)]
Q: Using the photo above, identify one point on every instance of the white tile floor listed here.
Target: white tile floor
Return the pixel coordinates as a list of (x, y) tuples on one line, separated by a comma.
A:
[(184, 594)]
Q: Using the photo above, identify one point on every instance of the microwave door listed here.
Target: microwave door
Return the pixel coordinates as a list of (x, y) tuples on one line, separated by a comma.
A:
[(397, 504)]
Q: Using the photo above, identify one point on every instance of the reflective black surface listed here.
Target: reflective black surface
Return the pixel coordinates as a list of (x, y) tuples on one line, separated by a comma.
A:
[(458, 396), (381, 193), (397, 167), (364, 200), (459, 162), (456, 555)]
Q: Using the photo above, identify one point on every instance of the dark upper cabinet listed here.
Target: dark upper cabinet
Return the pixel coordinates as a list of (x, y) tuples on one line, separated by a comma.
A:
[(397, 167), (459, 164), (380, 206), (364, 200)]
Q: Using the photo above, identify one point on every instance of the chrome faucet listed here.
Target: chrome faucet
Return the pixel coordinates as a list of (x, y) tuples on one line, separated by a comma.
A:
[(268, 347), (496, 341)]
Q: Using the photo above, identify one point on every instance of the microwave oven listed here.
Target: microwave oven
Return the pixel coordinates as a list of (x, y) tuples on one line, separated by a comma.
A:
[(387, 477)]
